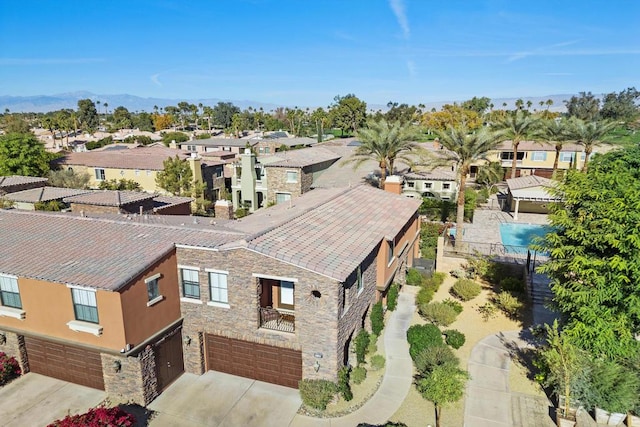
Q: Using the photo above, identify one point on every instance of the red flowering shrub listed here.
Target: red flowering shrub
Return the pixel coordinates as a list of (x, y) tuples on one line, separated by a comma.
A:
[(9, 368), (97, 417)]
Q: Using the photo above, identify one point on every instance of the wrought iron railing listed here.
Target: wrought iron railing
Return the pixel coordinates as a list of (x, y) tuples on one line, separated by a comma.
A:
[(278, 320)]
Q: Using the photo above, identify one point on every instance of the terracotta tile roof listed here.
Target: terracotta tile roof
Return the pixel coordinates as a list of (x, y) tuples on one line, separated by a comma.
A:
[(44, 194), (437, 174), (221, 142), (529, 181), (109, 198), (143, 158), (303, 157), (9, 181), (336, 236), (97, 253)]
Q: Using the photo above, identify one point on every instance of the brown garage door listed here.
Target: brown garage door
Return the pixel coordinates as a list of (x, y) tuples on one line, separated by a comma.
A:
[(258, 361), (65, 362)]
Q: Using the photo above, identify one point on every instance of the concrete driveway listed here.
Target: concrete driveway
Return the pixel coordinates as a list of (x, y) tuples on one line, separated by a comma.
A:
[(217, 399), (36, 400)]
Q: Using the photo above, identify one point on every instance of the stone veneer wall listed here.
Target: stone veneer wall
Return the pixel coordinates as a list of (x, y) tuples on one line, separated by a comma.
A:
[(277, 182), (316, 318), (14, 347)]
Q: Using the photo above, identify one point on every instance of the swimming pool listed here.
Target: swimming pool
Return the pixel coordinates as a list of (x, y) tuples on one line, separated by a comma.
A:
[(517, 237)]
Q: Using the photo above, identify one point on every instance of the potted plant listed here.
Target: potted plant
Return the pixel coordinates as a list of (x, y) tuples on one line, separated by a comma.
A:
[(614, 391)]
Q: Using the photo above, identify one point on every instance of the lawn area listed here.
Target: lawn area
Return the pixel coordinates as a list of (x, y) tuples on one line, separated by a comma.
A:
[(624, 136)]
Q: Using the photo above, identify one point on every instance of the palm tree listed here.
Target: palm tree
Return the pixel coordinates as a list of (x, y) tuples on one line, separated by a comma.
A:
[(553, 132), (588, 134), (464, 149), (515, 127), (385, 143)]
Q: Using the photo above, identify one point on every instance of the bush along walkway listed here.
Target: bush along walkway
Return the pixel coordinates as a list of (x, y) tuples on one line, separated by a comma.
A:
[(397, 378)]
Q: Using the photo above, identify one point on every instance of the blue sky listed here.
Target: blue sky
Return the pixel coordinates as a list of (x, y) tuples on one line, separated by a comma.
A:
[(302, 52)]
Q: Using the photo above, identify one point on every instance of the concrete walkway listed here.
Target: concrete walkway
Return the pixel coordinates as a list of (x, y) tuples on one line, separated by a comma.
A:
[(489, 400), (397, 377)]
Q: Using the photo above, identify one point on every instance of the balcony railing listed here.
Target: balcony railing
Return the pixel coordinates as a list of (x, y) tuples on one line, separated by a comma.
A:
[(278, 320)]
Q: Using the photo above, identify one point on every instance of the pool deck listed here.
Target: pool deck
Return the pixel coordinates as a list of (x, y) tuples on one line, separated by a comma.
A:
[(486, 224)]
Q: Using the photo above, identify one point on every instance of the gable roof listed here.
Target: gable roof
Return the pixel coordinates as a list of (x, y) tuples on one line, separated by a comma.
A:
[(301, 158), (145, 158), (437, 174), (109, 198), (43, 194), (528, 182), (12, 180)]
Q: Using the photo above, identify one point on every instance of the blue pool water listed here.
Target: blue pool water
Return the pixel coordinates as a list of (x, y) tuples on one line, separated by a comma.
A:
[(517, 237)]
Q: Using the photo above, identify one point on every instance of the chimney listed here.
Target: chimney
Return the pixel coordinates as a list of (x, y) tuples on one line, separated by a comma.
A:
[(393, 184), (196, 169), (173, 144), (223, 209)]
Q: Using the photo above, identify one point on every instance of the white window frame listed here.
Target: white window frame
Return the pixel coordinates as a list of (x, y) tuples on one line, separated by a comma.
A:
[(391, 247), (155, 280), (99, 174), (222, 290), (9, 284), (91, 301), (446, 186), (196, 270), (411, 184), (539, 156), (427, 185), (289, 180), (564, 155), (284, 194), (359, 281)]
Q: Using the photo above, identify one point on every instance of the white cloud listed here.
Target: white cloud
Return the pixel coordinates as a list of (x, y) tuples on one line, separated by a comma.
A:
[(399, 10), (155, 80)]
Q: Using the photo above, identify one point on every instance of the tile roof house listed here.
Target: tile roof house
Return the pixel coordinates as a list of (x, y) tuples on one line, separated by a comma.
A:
[(531, 193), (277, 296), (28, 199), (13, 183), (439, 183)]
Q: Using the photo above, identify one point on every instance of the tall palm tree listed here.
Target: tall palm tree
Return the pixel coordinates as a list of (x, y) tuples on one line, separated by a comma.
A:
[(464, 148), (589, 134), (385, 143), (554, 132), (515, 127)]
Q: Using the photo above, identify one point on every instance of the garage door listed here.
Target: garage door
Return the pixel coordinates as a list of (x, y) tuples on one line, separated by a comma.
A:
[(258, 361), (65, 362)]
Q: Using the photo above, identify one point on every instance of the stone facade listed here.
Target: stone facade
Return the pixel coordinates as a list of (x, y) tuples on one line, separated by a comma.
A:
[(316, 317), (14, 347), (277, 182), (223, 209)]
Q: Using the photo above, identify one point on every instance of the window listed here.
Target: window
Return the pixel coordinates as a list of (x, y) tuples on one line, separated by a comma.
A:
[(292, 176), (153, 288), (261, 150), (427, 185), (85, 305), (446, 186), (411, 184), (359, 279), (282, 197), (148, 173), (266, 150), (218, 287), (539, 156), (9, 292), (191, 148), (508, 155), (566, 157), (391, 246), (190, 283), (137, 172), (99, 174), (285, 297)]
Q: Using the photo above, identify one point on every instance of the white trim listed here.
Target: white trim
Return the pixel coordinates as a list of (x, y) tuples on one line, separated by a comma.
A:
[(391, 262), (190, 300), (83, 288), (188, 267), (79, 326), (10, 276), (286, 262), (213, 270), (16, 313), (218, 304), (196, 247), (267, 276), (155, 300), (287, 176), (152, 278)]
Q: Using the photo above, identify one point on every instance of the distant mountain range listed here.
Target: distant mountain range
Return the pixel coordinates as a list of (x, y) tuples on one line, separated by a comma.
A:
[(46, 103)]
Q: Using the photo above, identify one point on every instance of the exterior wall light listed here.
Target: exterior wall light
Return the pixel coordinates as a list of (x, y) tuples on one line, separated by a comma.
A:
[(3, 338), (117, 366), (187, 340), (316, 366)]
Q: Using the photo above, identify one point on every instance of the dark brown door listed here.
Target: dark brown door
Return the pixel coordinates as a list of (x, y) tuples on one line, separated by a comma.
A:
[(65, 362), (169, 360), (252, 360)]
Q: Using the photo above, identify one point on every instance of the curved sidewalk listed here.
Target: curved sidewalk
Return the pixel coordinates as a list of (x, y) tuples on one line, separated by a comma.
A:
[(397, 378)]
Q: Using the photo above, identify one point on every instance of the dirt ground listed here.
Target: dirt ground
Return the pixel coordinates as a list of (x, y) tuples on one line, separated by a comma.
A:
[(416, 411)]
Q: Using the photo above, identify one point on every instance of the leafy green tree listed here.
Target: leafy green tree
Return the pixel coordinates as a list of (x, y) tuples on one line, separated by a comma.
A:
[(223, 114), (13, 123), (176, 177), (122, 118), (464, 148), (516, 127), (120, 184), (23, 154), (178, 137), (67, 178), (402, 113), (445, 384), (88, 115), (621, 106), (348, 112), (451, 116), (589, 135), (479, 105), (385, 143), (490, 174), (585, 106), (143, 121), (594, 245)]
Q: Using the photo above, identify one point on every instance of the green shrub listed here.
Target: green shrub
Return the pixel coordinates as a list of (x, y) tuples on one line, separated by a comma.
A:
[(438, 277), (317, 393), (466, 289), (453, 304), (178, 137), (454, 338), (361, 343), (511, 284), (414, 277), (373, 344), (343, 383), (358, 374), (423, 336), (508, 303), (478, 266), (438, 313), (377, 362), (425, 295), (377, 318), (433, 283), (430, 357), (392, 297)]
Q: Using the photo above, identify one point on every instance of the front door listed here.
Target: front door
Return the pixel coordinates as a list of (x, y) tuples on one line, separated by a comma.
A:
[(169, 361)]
